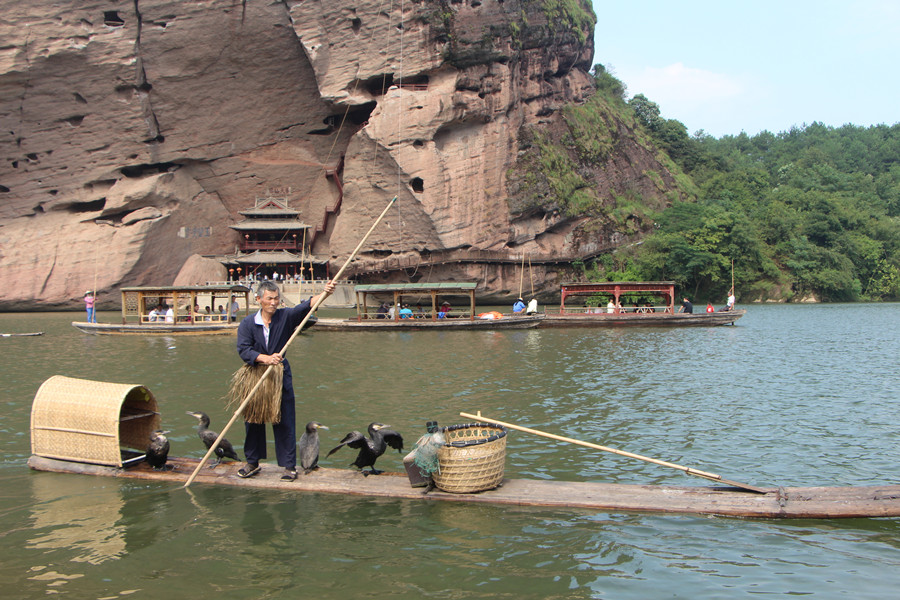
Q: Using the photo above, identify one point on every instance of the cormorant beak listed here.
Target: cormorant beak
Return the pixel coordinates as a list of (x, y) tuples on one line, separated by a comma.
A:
[(322, 427)]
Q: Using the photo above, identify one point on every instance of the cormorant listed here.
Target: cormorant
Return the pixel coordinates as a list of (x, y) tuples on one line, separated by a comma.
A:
[(224, 449), (158, 450), (309, 447), (371, 449)]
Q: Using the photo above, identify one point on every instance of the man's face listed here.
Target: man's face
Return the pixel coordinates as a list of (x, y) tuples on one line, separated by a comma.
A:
[(269, 302)]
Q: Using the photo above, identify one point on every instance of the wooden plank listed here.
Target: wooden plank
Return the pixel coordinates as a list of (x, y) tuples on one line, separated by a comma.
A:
[(807, 502)]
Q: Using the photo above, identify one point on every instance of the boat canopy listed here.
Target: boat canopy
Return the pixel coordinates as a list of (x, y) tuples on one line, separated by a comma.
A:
[(398, 290), (139, 301), (617, 289)]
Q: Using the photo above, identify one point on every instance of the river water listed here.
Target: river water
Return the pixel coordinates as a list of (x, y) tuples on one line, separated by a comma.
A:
[(792, 395)]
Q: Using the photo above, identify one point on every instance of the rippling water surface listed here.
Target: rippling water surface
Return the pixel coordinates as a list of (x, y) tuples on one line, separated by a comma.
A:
[(793, 395)]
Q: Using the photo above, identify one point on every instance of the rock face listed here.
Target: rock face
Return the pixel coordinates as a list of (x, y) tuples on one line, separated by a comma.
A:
[(132, 134)]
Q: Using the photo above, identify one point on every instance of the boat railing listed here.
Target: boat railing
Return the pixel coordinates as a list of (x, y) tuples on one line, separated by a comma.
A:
[(624, 310), (202, 318)]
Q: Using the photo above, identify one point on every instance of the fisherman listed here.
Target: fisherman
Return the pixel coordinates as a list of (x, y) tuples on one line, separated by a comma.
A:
[(519, 306), (260, 339)]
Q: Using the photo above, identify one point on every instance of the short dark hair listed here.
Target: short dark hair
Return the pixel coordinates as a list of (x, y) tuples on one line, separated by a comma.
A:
[(267, 286)]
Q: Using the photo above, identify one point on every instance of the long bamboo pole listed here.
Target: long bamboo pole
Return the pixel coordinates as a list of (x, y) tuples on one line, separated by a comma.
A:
[(688, 470), (531, 276), (522, 275), (298, 329)]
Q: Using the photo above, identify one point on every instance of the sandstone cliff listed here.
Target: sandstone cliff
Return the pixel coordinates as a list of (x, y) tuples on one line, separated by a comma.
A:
[(133, 133)]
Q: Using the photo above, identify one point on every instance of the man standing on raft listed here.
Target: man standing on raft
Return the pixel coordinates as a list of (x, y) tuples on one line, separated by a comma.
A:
[(260, 339)]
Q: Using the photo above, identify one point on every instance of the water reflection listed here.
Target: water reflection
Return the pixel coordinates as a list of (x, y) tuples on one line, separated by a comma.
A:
[(85, 521)]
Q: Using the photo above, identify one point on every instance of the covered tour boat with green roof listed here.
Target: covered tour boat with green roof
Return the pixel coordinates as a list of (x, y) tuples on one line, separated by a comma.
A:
[(429, 306)]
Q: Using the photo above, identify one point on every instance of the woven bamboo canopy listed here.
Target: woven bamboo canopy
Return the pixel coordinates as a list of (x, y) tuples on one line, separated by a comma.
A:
[(92, 421)]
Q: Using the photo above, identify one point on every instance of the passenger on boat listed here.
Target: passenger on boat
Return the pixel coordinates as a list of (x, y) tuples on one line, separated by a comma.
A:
[(532, 307), (729, 304), (610, 306), (157, 314), (170, 314), (519, 306), (406, 312), (382, 311), (649, 308), (686, 307), (207, 313), (259, 341), (222, 315), (709, 308), (89, 307), (235, 308), (445, 308)]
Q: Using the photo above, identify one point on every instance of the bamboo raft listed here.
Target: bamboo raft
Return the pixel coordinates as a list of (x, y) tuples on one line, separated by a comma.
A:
[(779, 503)]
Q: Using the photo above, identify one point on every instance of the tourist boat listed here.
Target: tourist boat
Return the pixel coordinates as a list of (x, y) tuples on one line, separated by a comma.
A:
[(629, 303), (138, 302), (435, 295)]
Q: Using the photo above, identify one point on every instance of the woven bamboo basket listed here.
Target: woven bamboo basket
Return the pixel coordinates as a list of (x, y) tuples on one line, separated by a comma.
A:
[(92, 421), (472, 458)]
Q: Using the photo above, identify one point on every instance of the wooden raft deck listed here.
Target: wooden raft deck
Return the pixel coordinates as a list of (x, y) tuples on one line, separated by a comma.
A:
[(809, 502)]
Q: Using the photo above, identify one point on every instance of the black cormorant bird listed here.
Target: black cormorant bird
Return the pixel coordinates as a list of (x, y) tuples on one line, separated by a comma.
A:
[(309, 447), (224, 449), (158, 450), (371, 449)]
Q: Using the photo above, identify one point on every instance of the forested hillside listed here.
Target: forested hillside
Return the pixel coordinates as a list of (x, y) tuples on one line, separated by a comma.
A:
[(813, 212)]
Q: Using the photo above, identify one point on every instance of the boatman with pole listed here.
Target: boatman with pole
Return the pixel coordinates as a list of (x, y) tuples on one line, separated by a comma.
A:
[(259, 340)]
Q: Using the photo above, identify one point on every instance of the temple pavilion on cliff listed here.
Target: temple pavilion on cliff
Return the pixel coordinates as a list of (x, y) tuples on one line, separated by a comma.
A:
[(274, 243)]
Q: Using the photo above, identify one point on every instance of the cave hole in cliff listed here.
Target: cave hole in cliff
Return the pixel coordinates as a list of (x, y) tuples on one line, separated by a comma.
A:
[(331, 122), (74, 121), (111, 18), (79, 98), (417, 184), (15, 164), (355, 24), (159, 138), (32, 156), (83, 207), (133, 171), (4, 189), (418, 143), (380, 84), (361, 113)]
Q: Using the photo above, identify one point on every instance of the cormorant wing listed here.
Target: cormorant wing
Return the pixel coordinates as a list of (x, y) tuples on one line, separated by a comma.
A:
[(226, 449), (354, 439), (209, 437), (393, 439)]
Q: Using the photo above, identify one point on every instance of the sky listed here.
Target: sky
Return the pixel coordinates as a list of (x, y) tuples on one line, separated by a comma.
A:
[(731, 66)]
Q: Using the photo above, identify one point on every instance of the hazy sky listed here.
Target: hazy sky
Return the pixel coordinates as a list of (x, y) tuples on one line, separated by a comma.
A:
[(727, 67)]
